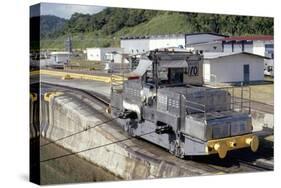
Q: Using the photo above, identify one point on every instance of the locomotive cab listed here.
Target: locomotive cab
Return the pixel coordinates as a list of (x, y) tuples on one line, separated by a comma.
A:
[(165, 102)]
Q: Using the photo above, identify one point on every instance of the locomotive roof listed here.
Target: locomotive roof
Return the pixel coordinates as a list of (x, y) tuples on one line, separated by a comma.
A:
[(164, 60)]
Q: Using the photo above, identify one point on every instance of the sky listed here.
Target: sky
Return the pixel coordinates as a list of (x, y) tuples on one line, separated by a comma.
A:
[(66, 10)]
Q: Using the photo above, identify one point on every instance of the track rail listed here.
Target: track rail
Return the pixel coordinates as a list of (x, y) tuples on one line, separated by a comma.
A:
[(89, 94), (254, 166)]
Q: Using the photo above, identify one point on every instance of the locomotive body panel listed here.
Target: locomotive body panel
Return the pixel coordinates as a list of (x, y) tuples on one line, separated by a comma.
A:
[(178, 112)]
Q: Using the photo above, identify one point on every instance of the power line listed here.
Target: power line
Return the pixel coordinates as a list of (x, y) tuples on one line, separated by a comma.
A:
[(92, 148), (73, 134)]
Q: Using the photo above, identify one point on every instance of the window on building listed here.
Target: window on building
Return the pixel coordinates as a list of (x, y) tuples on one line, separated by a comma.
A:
[(269, 46), (269, 52)]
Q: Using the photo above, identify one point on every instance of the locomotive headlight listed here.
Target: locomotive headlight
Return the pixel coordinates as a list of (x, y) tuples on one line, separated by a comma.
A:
[(221, 148), (253, 142)]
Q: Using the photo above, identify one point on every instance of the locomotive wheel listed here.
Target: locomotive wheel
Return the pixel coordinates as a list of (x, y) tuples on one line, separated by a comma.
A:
[(128, 128), (180, 152), (172, 147), (176, 149)]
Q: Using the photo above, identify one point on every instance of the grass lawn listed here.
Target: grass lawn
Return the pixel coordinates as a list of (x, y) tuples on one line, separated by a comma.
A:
[(263, 93), (77, 63)]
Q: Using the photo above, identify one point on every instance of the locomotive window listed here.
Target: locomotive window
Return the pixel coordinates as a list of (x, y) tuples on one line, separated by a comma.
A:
[(166, 76), (163, 76), (148, 77), (176, 75), (170, 76)]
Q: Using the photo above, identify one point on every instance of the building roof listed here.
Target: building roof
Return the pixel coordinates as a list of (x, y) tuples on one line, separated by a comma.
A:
[(170, 35), (152, 36), (215, 55), (208, 33), (254, 37)]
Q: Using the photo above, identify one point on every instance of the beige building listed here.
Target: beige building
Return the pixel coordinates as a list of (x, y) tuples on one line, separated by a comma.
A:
[(233, 67)]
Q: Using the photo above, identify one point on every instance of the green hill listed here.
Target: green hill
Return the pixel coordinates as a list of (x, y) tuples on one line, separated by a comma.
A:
[(50, 24), (161, 24), (105, 28)]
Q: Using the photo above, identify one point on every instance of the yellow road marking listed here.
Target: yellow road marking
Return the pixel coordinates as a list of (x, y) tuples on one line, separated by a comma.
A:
[(106, 79)]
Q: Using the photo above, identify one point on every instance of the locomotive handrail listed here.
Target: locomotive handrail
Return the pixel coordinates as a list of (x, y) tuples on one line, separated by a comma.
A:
[(192, 102), (197, 109), (237, 103)]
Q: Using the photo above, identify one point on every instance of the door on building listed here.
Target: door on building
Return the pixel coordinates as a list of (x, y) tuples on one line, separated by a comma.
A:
[(246, 70)]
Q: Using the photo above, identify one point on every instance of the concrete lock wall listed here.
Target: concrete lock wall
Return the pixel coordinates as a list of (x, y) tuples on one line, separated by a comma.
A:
[(33, 117), (124, 159)]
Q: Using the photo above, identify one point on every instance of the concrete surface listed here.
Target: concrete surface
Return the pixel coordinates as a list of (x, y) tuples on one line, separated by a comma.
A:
[(90, 85)]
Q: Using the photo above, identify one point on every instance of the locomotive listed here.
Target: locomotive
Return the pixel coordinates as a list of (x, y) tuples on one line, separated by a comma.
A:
[(165, 101)]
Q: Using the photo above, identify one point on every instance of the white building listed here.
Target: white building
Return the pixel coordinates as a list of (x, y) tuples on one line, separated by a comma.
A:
[(261, 45), (233, 67), (59, 57), (116, 57), (98, 54), (138, 45)]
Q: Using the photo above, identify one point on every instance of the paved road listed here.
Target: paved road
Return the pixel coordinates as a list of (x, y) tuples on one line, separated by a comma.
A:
[(90, 85)]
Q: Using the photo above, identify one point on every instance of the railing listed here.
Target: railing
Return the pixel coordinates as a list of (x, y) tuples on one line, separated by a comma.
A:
[(201, 108), (239, 101)]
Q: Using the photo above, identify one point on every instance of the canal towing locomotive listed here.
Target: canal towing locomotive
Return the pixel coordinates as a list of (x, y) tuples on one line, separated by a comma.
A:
[(164, 101)]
